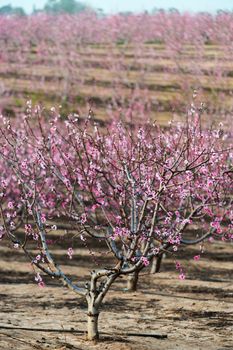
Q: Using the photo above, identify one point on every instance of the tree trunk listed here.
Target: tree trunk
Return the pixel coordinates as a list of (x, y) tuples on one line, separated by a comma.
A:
[(92, 322), (153, 266), (94, 297), (132, 281), (156, 264)]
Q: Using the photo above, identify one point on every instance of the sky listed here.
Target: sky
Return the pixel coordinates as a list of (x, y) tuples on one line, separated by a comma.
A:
[(111, 6)]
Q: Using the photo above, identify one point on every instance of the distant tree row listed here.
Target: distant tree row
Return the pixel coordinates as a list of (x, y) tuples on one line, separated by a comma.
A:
[(9, 10), (52, 7), (64, 6), (72, 7)]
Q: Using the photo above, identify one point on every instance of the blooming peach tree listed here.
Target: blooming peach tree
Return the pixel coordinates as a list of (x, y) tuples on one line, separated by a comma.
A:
[(138, 189)]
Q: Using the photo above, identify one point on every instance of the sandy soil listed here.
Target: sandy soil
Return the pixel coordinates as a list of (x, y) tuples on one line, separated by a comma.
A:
[(196, 313)]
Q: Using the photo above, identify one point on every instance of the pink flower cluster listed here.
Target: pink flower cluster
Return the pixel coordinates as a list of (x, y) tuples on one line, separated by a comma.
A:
[(39, 280)]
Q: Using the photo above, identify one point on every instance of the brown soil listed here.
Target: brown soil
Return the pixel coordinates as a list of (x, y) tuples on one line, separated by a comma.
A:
[(196, 313), (106, 77)]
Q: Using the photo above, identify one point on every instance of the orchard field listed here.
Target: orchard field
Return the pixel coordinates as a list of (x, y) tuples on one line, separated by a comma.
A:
[(118, 124), (194, 313), (152, 64), (108, 77)]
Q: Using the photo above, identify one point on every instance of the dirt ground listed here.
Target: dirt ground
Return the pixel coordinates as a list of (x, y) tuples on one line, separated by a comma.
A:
[(196, 313)]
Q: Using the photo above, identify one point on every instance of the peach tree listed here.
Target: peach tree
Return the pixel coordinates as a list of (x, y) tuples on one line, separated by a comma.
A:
[(139, 190)]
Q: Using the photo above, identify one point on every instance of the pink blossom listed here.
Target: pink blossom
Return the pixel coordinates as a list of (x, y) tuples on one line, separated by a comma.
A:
[(196, 257), (10, 205), (70, 252), (43, 218), (41, 284), (39, 280), (145, 261), (83, 218), (182, 276)]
